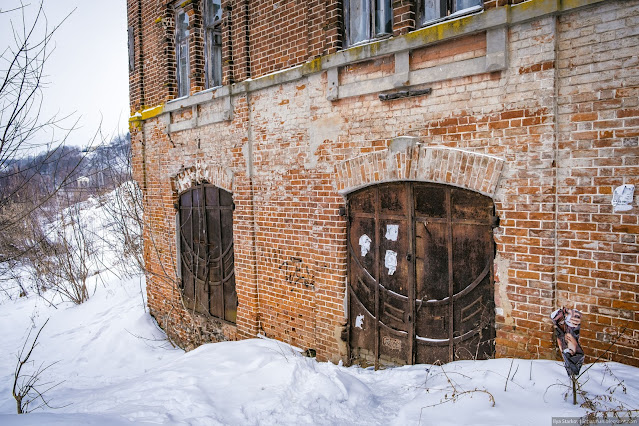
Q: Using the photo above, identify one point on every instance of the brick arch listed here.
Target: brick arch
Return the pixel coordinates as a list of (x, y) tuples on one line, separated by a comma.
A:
[(464, 169), (219, 176)]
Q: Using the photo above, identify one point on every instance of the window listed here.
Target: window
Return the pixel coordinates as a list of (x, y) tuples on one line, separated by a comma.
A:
[(213, 42), (206, 251), (367, 19), (434, 10), (182, 52)]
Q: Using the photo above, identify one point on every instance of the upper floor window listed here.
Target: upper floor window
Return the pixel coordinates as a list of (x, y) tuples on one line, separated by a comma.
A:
[(182, 52), (367, 19), (434, 10), (213, 42)]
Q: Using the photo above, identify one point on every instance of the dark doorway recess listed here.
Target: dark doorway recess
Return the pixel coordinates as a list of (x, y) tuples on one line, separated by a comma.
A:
[(206, 251), (420, 274)]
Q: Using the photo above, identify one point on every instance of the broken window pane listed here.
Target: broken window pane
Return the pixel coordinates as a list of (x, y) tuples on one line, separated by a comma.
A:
[(358, 12), (213, 42), (383, 17), (182, 52), (212, 12), (366, 19)]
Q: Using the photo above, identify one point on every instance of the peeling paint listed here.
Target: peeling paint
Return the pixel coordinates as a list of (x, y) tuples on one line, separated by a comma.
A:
[(501, 295), (246, 153), (364, 244), (390, 261), (391, 232), (359, 321), (320, 131), (201, 172)]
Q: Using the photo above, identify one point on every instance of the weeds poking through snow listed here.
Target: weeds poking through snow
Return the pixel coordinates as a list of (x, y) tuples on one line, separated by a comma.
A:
[(509, 370), (454, 391), (605, 407)]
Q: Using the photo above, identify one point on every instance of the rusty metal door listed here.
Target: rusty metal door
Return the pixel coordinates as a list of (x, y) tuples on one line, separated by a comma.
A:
[(206, 252), (420, 274)]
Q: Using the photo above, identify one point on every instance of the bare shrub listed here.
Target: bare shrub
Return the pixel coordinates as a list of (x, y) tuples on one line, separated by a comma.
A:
[(29, 389), (66, 256)]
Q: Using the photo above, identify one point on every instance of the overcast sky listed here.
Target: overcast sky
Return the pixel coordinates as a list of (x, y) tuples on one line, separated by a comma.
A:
[(88, 70)]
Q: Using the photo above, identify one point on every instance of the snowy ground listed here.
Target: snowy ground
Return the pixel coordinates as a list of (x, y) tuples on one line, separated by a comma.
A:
[(117, 368)]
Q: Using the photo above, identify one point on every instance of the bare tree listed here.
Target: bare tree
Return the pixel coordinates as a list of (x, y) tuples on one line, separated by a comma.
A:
[(123, 207), (66, 255), (24, 190), (30, 389)]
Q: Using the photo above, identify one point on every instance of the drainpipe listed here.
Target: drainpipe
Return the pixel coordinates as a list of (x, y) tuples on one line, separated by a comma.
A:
[(249, 172), (555, 113)]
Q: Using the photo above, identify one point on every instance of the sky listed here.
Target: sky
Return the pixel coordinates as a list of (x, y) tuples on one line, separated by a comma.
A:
[(87, 73)]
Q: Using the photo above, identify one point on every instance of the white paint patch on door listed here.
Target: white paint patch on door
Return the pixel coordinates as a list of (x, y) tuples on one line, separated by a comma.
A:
[(391, 232), (364, 244), (359, 321), (390, 261)]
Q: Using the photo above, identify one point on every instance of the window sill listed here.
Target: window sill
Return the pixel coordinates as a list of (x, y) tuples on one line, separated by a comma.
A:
[(465, 12), (181, 98), (369, 41)]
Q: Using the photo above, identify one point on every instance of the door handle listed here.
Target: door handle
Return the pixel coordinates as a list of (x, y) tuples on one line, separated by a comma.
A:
[(409, 257)]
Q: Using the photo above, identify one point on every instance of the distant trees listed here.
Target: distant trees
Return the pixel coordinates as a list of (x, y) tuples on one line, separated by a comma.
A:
[(23, 130), (56, 242), (42, 178)]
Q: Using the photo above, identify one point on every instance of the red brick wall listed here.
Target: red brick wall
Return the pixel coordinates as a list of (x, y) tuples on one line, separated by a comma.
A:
[(563, 116), (258, 38), (598, 116)]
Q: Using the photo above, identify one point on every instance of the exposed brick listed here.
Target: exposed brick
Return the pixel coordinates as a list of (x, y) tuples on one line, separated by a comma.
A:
[(549, 162)]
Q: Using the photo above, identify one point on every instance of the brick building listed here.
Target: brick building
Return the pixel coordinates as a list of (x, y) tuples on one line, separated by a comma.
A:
[(389, 181)]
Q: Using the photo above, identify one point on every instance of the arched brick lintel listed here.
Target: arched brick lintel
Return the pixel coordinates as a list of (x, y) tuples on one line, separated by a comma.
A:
[(221, 177), (450, 166)]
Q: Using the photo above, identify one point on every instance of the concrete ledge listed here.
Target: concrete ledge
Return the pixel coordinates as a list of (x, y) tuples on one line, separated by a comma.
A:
[(503, 16)]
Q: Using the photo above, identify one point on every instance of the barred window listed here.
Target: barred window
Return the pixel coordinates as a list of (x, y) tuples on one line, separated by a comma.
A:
[(367, 19), (206, 251), (213, 42), (182, 52)]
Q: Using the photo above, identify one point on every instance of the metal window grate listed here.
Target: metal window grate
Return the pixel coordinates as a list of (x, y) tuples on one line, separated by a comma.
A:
[(206, 251)]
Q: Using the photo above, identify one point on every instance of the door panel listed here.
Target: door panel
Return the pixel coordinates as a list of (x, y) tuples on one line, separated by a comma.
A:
[(394, 268), (206, 249), (421, 290)]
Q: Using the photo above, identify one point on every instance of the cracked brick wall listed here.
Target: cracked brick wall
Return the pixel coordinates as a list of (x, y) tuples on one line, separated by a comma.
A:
[(563, 117)]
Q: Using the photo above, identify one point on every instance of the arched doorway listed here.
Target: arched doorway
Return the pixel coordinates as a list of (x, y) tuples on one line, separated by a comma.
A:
[(420, 274), (206, 251)]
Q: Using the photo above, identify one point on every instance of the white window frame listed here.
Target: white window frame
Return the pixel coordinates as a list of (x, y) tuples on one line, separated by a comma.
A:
[(212, 44), (369, 22), (182, 54), (448, 9)]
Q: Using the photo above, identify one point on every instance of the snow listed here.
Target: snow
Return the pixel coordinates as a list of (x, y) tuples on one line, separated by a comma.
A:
[(117, 368)]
